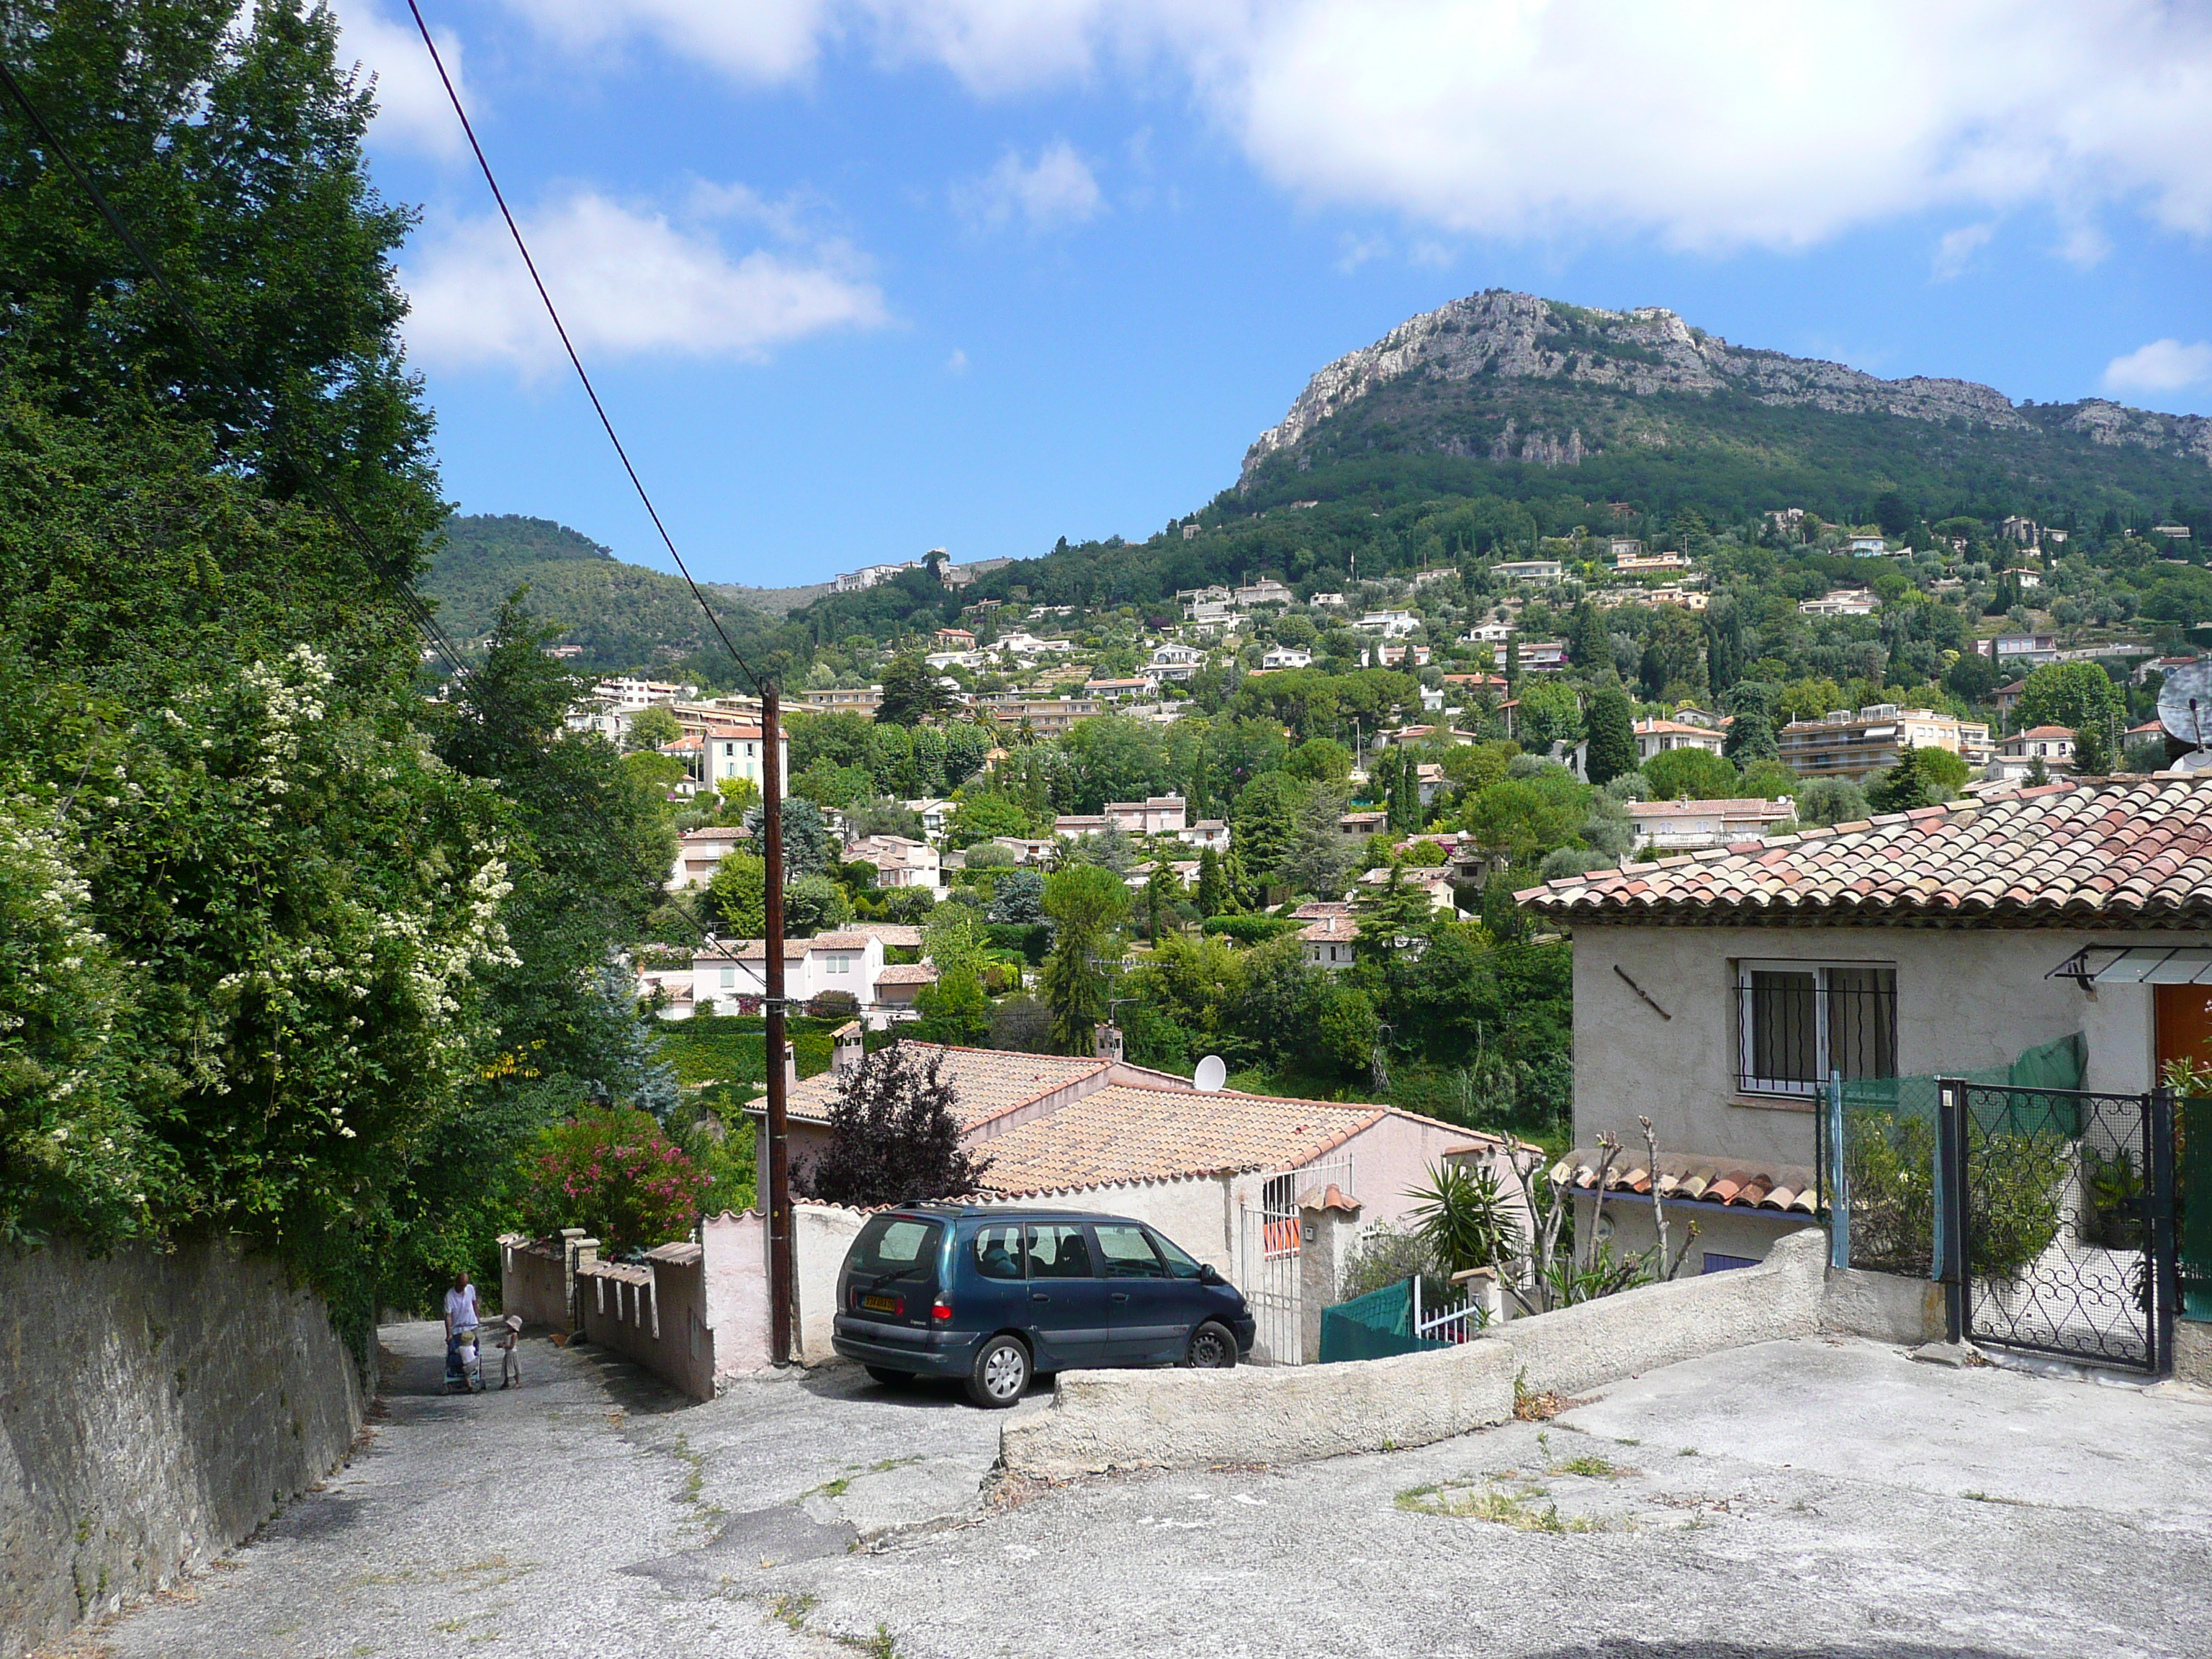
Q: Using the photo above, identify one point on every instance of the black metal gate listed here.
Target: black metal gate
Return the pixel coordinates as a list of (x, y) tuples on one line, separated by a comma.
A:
[(2054, 1221)]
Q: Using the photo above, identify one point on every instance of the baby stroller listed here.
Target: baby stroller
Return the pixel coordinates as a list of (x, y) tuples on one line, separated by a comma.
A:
[(463, 1371)]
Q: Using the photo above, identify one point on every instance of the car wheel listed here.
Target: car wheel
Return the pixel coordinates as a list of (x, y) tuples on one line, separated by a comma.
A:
[(1213, 1347), (1000, 1375), (888, 1377)]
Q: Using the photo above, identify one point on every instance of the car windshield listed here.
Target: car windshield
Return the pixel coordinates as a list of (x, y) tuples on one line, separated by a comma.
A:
[(1180, 1265), (896, 1246)]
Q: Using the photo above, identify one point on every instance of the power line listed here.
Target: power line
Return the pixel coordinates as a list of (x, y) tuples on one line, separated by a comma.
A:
[(568, 345), (272, 415)]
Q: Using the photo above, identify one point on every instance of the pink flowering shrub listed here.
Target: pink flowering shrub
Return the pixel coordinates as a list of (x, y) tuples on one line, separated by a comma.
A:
[(615, 1173)]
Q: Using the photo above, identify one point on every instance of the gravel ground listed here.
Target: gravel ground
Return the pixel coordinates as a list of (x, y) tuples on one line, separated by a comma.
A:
[(1790, 1500)]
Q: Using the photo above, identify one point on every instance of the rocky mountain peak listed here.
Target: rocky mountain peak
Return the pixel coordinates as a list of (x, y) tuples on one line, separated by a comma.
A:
[(1499, 336)]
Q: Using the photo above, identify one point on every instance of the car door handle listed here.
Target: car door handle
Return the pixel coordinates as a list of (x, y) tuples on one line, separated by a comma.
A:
[(1119, 1296), (1039, 1296)]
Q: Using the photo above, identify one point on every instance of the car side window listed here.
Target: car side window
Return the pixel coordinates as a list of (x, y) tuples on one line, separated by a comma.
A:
[(1057, 1250), (1180, 1262), (1126, 1253), (998, 1250)]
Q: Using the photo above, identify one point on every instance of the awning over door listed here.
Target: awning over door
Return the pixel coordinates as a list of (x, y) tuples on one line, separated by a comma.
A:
[(2137, 964)]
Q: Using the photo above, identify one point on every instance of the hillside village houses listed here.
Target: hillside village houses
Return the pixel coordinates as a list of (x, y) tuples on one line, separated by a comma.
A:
[(1683, 826), (1842, 602), (1939, 942), (2017, 754)]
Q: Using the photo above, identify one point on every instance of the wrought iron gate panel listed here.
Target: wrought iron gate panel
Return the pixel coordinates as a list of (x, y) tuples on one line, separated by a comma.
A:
[(1271, 1264), (2057, 1217)]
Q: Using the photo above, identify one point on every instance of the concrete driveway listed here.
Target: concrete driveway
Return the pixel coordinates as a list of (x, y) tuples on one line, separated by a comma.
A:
[(1793, 1500)]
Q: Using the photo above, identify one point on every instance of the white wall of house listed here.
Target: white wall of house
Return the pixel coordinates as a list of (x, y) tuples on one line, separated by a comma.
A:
[(1965, 998)]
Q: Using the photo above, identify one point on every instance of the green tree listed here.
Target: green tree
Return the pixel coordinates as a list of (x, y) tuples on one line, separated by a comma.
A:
[(1163, 892), (1388, 913), (650, 728), (2079, 696), (1750, 738), (1085, 904), (1905, 784), (979, 816), (1550, 713), (1612, 735), (1213, 894), (1319, 760), (1587, 647), (1830, 801), (1521, 819), (808, 849), (954, 1010), (1697, 773), (737, 894), (1264, 821), (1318, 857), (911, 694)]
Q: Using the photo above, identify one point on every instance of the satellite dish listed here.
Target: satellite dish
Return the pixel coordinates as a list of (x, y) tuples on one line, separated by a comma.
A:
[(2185, 704), (1212, 1073)]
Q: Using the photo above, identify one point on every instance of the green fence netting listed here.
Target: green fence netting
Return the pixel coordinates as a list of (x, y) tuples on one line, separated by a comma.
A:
[(1373, 1327), (2193, 1199), (1887, 1138)]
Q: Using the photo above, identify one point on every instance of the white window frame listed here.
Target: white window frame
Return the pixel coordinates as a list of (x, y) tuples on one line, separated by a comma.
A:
[(1793, 1088)]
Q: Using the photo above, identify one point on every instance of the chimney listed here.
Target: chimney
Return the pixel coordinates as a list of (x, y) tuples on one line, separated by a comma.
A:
[(847, 1050), (790, 1069), (1109, 1040)]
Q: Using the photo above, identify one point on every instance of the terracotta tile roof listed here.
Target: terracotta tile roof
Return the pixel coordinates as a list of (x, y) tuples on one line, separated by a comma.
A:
[(984, 1082), (2105, 852), (1734, 807), (2044, 732), (1686, 1178), (1330, 930), (1125, 1132), (903, 934), (907, 973)]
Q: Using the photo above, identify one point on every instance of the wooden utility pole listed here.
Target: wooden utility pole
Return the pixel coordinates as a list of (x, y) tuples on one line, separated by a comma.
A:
[(780, 1276)]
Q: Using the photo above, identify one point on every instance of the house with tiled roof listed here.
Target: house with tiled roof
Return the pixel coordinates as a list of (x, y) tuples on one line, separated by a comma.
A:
[(1715, 992)]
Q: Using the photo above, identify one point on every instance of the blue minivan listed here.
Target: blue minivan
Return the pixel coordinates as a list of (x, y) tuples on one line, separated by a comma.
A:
[(996, 1296)]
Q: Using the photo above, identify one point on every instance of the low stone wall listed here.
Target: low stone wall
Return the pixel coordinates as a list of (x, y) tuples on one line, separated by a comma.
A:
[(2192, 1353), (821, 1234), (156, 1408), (1886, 1307), (538, 1276), (1573, 1349), (1261, 1413), (654, 1313), (1105, 1419)]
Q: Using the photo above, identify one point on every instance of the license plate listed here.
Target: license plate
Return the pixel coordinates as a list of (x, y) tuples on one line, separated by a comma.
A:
[(890, 1305)]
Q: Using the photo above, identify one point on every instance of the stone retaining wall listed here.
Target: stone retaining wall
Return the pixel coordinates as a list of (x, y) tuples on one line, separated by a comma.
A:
[(156, 1408), (1110, 1420)]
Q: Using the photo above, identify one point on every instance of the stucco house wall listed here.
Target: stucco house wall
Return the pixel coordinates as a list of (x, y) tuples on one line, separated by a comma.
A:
[(1965, 998)]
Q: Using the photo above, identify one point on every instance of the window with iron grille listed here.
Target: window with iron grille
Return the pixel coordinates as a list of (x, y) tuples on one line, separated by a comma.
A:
[(1799, 1021)]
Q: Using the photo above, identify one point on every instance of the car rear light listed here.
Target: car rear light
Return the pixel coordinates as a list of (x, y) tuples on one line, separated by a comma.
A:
[(941, 1311)]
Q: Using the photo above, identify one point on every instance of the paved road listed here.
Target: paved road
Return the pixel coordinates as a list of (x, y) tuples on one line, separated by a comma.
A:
[(1795, 1500)]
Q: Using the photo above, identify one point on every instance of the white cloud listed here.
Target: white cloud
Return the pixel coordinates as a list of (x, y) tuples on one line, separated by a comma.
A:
[(957, 362), (630, 283), (412, 108), (1711, 123), (1053, 193), (1955, 250), (2161, 366), (762, 42)]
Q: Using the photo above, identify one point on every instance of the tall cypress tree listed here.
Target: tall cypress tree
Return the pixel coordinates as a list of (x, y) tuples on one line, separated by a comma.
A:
[(1612, 728)]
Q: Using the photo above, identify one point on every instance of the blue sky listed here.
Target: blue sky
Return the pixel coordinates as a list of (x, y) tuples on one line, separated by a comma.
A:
[(861, 277)]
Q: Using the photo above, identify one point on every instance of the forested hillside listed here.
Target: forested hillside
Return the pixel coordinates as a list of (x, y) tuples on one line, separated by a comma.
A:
[(623, 616)]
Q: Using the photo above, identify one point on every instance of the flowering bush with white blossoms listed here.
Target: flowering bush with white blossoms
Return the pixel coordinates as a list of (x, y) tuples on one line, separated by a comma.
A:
[(309, 898), (70, 1151)]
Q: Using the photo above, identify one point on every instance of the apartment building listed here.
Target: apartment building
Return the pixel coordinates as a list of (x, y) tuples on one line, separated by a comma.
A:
[(1845, 745)]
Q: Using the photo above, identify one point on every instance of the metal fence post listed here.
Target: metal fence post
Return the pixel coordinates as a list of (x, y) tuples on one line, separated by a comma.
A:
[(1835, 1189), (1950, 1184), (2164, 1286)]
